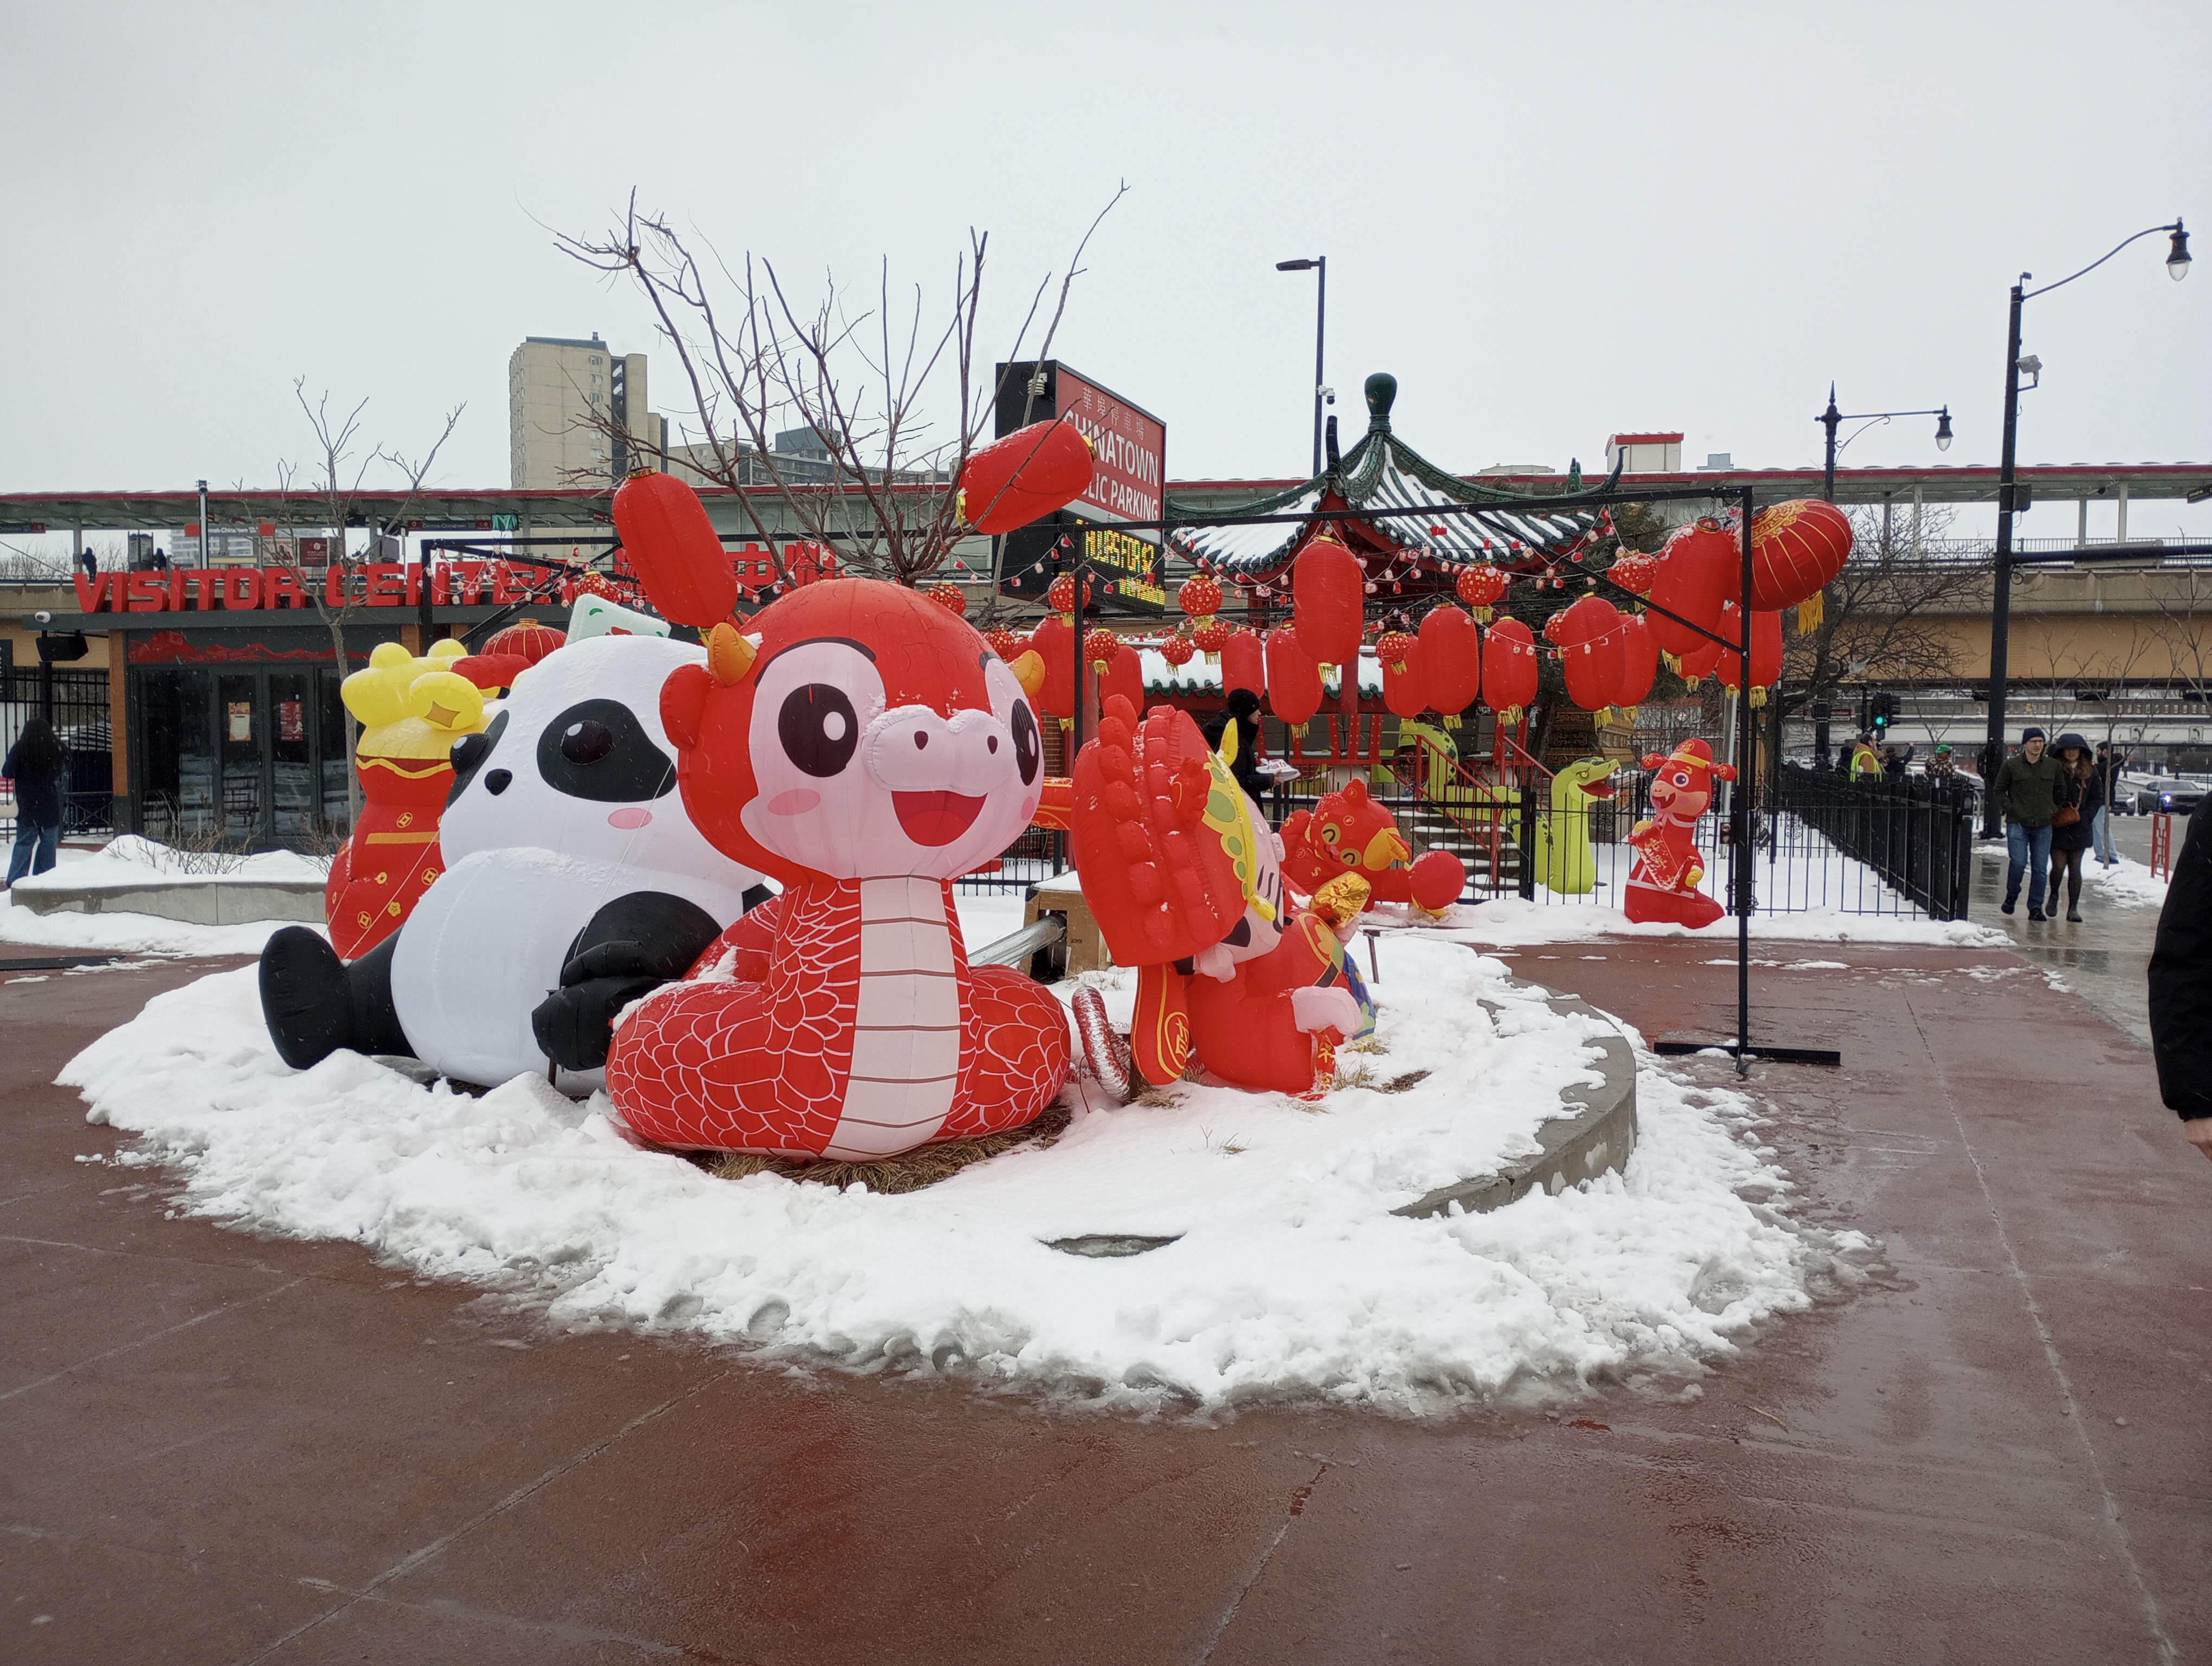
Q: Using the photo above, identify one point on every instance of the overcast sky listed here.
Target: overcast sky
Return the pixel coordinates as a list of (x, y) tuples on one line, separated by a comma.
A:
[(1551, 222)]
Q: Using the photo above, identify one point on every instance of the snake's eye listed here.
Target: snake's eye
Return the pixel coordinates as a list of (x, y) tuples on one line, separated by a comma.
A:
[(818, 729), (1029, 748)]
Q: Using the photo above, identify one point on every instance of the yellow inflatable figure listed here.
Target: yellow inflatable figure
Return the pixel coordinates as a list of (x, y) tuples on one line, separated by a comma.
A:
[(411, 711), (1564, 861)]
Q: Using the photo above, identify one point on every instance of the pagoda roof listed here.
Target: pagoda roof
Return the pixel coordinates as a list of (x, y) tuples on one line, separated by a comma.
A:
[(1382, 471)]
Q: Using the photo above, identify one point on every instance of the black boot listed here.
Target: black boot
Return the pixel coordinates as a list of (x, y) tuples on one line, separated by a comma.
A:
[(314, 1003)]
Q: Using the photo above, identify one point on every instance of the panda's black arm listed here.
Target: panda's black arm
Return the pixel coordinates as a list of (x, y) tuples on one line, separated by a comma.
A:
[(647, 933), (628, 949)]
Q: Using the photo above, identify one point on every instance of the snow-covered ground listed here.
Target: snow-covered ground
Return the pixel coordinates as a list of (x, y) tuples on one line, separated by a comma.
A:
[(1290, 1277), (2127, 883)]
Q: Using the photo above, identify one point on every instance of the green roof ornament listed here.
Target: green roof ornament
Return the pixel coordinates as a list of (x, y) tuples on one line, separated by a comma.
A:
[(1574, 475), (1382, 393)]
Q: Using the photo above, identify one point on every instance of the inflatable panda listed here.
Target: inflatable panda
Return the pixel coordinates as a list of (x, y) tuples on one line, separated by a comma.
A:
[(573, 883)]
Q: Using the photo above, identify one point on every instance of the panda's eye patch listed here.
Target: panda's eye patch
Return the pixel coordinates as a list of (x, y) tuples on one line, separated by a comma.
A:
[(597, 749), (587, 742), (819, 731), (469, 754)]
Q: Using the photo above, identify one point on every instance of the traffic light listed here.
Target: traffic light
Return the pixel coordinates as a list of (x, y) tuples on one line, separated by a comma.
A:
[(1886, 707)]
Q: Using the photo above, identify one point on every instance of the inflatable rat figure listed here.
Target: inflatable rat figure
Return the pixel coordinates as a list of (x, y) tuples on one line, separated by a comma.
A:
[(865, 746), (573, 883), (1185, 878), (1348, 832), (1663, 884)]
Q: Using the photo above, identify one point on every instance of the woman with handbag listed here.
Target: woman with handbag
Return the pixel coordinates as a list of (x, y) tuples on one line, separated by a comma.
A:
[(2080, 794)]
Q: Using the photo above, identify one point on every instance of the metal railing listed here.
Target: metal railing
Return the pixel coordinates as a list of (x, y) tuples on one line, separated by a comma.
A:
[(1918, 834), (75, 700)]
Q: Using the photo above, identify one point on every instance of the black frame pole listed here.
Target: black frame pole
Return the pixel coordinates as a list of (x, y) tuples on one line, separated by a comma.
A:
[(1746, 870), (1321, 374), (1830, 419), (2001, 596)]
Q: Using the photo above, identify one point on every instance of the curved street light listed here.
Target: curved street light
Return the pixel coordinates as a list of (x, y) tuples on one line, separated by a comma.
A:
[(1318, 264), (1831, 419), (2176, 267)]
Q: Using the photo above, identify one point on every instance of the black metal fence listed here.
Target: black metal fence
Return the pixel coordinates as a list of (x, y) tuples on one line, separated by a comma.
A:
[(1917, 833), (75, 700)]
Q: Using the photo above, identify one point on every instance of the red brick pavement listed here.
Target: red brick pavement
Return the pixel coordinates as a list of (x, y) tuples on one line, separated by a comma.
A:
[(214, 1447)]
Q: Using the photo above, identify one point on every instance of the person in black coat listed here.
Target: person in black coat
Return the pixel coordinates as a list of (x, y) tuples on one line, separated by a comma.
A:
[(39, 766), (2181, 986), (1243, 708), (2081, 789)]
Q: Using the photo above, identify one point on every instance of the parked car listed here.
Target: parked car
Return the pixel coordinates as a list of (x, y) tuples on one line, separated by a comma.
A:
[(2179, 794)]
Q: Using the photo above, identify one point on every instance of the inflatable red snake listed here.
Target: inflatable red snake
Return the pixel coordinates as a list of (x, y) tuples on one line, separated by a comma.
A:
[(864, 745)]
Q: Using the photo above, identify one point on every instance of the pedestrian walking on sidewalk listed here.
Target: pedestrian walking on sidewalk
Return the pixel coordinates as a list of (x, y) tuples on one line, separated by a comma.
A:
[(2027, 790), (2101, 834), (2079, 797), (2181, 986), (1866, 762), (37, 765)]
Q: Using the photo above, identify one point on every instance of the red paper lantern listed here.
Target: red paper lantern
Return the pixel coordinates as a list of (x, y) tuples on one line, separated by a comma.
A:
[(1294, 687), (1694, 577), (1060, 594), (1054, 641), (1098, 646), (1178, 650), (1244, 663), (1211, 636), (1509, 669), (1006, 644), (949, 597), (1031, 472), (1327, 591), (1198, 596), (1404, 690), (1705, 658), (676, 550), (529, 642), (1124, 676), (1635, 571), (1639, 664), (1591, 648), (1480, 588), (1451, 659), (1797, 549), (1765, 652)]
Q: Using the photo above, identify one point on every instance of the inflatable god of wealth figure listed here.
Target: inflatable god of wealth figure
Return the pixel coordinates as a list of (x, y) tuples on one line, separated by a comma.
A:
[(411, 711)]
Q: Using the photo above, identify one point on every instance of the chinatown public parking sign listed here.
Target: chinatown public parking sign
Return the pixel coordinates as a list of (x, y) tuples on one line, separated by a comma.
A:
[(1130, 445)]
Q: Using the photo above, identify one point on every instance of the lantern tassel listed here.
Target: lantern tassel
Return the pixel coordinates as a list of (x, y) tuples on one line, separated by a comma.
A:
[(1759, 696), (1810, 612)]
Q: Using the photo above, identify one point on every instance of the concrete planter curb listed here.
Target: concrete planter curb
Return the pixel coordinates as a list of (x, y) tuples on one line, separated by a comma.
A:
[(1598, 1135), (211, 902)]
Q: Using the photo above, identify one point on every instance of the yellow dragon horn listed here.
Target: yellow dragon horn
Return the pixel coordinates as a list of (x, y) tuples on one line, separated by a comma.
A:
[(1227, 750)]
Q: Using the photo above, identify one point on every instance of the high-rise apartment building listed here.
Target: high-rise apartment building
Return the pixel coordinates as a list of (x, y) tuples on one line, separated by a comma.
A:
[(560, 391)]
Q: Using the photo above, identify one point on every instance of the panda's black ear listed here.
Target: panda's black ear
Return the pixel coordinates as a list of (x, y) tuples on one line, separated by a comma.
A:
[(683, 703)]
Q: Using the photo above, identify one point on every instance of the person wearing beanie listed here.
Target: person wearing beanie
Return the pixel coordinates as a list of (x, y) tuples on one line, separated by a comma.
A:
[(2026, 789), (1243, 709)]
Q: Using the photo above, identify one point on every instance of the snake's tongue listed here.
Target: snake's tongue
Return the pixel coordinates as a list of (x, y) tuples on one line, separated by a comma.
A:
[(1599, 789)]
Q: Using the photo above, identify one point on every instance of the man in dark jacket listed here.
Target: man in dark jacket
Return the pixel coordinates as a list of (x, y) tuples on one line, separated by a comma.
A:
[(2181, 986), (2027, 790)]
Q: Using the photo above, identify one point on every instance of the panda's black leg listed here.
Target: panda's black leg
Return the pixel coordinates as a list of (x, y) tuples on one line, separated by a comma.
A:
[(314, 1003), (629, 947), (376, 1019)]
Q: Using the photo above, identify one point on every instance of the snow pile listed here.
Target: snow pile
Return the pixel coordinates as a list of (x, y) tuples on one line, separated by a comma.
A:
[(131, 933), (128, 862), (2129, 883), (1290, 1276)]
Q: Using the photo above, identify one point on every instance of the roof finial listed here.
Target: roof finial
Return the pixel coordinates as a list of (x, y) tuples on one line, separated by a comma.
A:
[(1382, 392)]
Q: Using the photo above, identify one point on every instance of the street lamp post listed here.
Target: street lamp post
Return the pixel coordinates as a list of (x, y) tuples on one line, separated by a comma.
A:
[(1318, 265), (2177, 266), (1831, 419)]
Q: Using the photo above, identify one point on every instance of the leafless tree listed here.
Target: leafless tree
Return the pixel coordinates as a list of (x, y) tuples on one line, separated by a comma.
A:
[(2184, 624), (328, 494), (756, 362), (1884, 615)]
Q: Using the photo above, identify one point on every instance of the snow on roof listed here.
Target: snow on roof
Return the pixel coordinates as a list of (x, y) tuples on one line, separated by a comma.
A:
[(1196, 677)]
